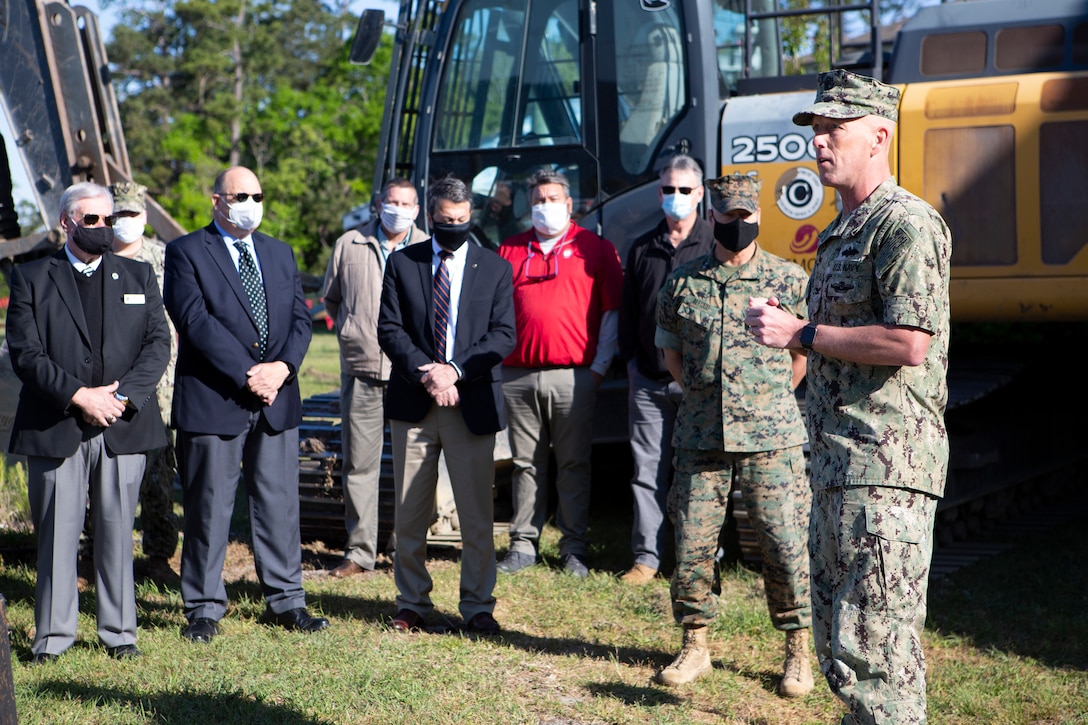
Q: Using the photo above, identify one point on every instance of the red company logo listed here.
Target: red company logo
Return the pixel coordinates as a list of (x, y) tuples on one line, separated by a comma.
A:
[(804, 242)]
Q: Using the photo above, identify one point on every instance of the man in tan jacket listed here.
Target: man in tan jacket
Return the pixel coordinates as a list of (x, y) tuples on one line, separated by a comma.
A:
[(353, 289)]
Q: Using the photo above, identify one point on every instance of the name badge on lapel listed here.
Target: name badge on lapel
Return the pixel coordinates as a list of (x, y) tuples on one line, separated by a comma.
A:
[(134, 299)]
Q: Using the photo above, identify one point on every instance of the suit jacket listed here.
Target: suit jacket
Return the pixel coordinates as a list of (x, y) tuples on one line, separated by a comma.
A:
[(51, 352), (219, 341), (485, 335)]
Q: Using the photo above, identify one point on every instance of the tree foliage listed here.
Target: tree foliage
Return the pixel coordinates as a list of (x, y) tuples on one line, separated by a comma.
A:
[(266, 84)]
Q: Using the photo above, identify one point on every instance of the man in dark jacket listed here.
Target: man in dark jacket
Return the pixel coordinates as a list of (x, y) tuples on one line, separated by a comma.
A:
[(89, 341), (653, 396)]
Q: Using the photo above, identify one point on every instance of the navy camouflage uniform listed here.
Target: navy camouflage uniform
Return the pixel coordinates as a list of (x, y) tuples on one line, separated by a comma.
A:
[(879, 454), (158, 522), (879, 449), (738, 424)]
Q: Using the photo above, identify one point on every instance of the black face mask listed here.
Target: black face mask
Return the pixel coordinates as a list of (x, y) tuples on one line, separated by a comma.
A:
[(735, 235), (451, 236), (93, 240)]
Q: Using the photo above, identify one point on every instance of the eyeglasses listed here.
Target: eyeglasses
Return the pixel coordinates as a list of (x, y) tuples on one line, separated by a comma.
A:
[(243, 196), (685, 190), (547, 268), (119, 214), (90, 220)]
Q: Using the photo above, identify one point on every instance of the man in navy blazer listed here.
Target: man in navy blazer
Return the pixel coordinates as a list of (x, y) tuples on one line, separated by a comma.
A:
[(89, 341), (235, 297), (447, 403)]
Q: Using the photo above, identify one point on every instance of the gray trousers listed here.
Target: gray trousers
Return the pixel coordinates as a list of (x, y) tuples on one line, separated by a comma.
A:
[(471, 465), (550, 409), (651, 411), (58, 490), (209, 466), (362, 436)]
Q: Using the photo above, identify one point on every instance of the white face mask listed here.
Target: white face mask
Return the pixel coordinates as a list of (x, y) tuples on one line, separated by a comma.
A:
[(677, 206), (397, 219), (128, 229), (550, 218), (246, 214)]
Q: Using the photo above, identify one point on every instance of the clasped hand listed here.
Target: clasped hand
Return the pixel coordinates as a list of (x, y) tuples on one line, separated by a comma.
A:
[(265, 380), (440, 382), (99, 406)]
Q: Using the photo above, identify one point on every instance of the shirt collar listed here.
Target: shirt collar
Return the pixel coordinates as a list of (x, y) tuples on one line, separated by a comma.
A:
[(79, 264)]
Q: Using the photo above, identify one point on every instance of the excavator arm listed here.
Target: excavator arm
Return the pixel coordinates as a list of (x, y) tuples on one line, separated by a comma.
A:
[(55, 90)]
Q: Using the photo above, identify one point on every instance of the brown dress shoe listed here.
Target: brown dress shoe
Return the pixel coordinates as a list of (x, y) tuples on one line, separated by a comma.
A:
[(347, 568), (482, 623), (639, 574), (406, 621)]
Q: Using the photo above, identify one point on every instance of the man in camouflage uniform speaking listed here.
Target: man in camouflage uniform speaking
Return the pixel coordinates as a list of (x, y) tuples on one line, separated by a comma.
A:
[(877, 349), (158, 521), (738, 423)]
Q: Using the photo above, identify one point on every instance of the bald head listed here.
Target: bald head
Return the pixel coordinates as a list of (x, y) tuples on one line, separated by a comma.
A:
[(237, 201)]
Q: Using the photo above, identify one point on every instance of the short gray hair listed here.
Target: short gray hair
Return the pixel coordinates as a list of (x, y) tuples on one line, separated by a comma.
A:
[(397, 182), (548, 176), (682, 162), (449, 188), (81, 191)]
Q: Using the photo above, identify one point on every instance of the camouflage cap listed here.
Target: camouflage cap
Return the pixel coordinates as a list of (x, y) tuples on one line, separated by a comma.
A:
[(842, 94), (735, 191), (129, 196)]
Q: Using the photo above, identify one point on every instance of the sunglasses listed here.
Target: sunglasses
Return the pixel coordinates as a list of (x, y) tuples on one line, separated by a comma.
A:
[(685, 190), (90, 220), (243, 196), (547, 268)]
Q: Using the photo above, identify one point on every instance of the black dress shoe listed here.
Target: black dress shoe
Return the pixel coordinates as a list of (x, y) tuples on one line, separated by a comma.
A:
[(43, 658), (124, 652), (406, 621), (298, 619), (201, 629), (482, 623)]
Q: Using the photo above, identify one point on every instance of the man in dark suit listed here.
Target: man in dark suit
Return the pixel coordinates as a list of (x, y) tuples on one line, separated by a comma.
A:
[(89, 341), (236, 299), (446, 323)]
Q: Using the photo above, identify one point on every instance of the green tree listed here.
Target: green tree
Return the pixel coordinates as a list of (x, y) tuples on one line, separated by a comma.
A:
[(266, 84)]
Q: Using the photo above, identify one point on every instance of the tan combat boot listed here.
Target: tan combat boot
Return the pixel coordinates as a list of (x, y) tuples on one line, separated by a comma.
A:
[(693, 660), (796, 670)]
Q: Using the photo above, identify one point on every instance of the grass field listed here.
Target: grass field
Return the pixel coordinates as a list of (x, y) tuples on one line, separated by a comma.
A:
[(1007, 641)]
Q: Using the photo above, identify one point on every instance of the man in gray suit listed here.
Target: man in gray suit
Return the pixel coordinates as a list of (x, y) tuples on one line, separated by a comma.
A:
[(89, 341)]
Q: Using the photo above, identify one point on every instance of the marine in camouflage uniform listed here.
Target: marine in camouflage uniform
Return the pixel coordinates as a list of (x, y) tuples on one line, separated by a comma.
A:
[(158, 521), (879, 449), (738, 425)]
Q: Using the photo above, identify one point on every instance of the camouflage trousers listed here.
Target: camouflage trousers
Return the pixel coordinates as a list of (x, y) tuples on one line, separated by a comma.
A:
[(777, 496), (871, 549), (158, 522)]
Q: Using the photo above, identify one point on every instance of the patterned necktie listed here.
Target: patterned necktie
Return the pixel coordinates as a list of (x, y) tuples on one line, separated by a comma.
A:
[(251, 280), (441, 305)]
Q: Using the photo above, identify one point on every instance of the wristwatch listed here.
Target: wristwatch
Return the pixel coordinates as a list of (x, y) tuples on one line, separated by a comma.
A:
[(808, 335)]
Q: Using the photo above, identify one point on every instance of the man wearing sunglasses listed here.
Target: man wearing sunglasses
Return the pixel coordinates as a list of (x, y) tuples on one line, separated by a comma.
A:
[(89, 341), (236, 299), (653, 397)]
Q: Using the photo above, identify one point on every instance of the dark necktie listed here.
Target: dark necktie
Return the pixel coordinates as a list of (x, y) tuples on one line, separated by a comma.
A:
[(441, 305), (251, 281)]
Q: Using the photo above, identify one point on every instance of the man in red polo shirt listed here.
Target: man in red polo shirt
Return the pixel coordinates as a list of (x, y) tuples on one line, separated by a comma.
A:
[(567, 288)]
